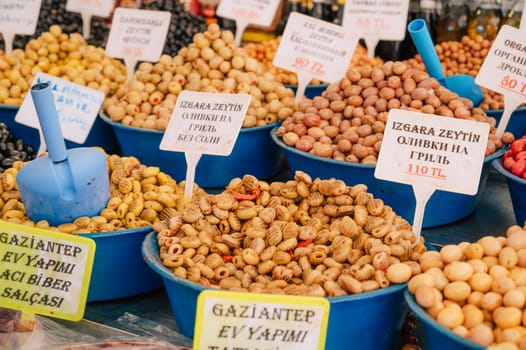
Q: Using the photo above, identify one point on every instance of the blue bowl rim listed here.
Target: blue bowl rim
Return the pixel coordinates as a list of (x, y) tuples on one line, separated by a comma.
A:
[(288, 148), (9, 107), (431, 322), (497, 164), (154, 262), (116, 233), (520, 109), (311, 86), (106, 119)]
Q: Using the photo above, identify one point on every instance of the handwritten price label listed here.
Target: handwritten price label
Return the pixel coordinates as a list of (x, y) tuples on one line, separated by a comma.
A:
[(503, 69), (318, 48), (100, 8), (429, 150), (19, 17), (385, 20), (138, 34), (258, 12)]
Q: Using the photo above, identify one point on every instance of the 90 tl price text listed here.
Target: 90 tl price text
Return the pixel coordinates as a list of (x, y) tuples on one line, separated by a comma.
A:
[(308, 65), (513, 85)]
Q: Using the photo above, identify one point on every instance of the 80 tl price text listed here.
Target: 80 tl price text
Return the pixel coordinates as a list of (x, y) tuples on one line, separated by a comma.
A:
[(244, 13), (308, 65), (513, 85)]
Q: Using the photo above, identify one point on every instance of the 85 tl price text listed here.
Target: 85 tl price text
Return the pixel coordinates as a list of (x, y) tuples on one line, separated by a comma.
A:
[(513, 85), (308, 65), (241, 12), (371, 23)]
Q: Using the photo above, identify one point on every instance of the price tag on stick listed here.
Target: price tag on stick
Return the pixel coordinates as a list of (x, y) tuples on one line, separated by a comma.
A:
[(504, 70), (88, 9), (137, 35), (44, 272), (204, 123), (376, 20), (18, 17), (235, 320), (314, 49), (431, 152), (77, 107), (245, 12)]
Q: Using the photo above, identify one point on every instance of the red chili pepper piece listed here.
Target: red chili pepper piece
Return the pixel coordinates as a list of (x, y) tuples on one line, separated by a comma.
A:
[(519, 167), (247, 196), (227, 258), (304, 243)]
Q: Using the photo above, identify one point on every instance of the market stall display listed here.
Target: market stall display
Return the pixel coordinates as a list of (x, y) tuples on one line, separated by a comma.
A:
[(140, 110), (470, 295), (295, 238)]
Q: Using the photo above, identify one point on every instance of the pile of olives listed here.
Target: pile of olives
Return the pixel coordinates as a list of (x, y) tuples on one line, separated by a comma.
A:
[(12, 150)]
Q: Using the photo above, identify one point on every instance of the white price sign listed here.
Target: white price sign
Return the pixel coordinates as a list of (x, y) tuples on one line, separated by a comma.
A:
[(258, 12), (504, 68), (137, 35), (100, 8), (315, 49), (446, 153), (18, 17), (204, 123), (383, 19), (77, 107)]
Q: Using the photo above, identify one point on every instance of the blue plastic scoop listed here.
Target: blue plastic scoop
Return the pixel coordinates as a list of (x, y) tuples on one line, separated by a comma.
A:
[(462, 84), (65, 184)]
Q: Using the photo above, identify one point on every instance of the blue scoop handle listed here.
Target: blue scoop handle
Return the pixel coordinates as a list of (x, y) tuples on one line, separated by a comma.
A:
[(417, 28), (49, 123)]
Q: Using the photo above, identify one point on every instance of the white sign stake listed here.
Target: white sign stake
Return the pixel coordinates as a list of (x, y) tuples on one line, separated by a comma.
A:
[(431, 152), (503, 71), (204, 123), (314, 49), (18, 17), (88, 9), (137, 35), (245, 12)]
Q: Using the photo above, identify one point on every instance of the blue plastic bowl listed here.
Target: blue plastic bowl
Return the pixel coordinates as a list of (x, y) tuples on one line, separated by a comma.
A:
[(254, 153), (517, 189), (517, 122), (311, 91), (397, 195), (436, 336), (368, 321), (101, 135), (118, 268)]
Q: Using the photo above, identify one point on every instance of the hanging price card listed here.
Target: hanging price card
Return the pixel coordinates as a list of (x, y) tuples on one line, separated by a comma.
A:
[(89, 8), (18, 17), (44, 272), (431, 152), (252, 321), (204, 123), (504, 70), (314, 49), (77, 107), (137, 35), (244, 12), (376, 20)]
